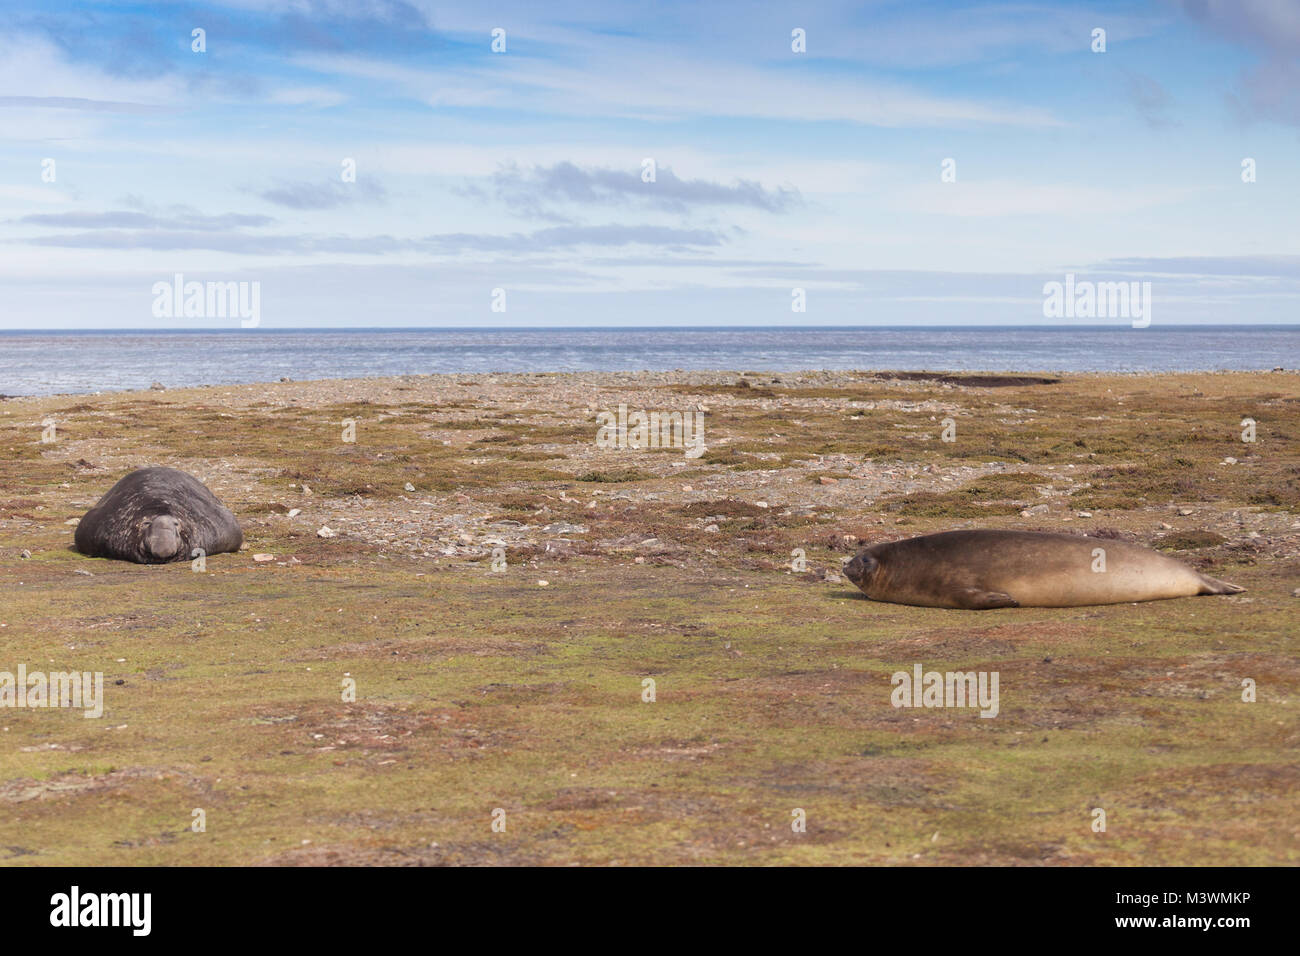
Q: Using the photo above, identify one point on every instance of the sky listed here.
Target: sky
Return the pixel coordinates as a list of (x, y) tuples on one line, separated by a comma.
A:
[(915, 163)]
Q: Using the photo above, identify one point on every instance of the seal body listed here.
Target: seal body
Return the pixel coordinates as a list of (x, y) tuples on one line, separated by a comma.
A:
[(156, 515), (978, 570)]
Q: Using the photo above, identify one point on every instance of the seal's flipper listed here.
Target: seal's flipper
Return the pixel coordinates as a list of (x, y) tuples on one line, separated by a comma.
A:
[(1211, 585), (973, 599)]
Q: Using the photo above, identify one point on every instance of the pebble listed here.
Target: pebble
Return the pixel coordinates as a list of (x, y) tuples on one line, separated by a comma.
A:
[(263, 557), (828, 481), (409, 487), (564, 527), (712, 529), (325, 532), (294, 512)]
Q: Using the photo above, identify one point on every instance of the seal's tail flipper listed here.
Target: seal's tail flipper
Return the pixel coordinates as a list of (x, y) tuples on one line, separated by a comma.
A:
[(1211, 585)]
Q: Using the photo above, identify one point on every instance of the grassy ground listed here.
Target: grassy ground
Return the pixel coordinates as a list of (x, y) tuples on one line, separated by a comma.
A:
[(479, 690)]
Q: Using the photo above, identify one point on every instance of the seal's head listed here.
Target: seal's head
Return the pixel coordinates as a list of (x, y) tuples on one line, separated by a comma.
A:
[(162, 537), (860, 569)]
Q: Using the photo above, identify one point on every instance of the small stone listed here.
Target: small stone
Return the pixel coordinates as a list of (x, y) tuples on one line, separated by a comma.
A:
[(1035, 510), (687, 488), (86, 573), (1165, 526), (158, 387), (1185, 512), (26, 554), (542, 584), (760, 504), (1229, 461), (294, 512), (305, 489), (826, 480), (409, 487), (564, 527), (263, 557), (712, 529), (73, 521), (325, 532), (1085, 514)]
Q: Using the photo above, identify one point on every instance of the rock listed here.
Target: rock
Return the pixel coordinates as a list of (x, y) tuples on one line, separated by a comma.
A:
[(263, 557), (760, 504), (712, 529), (409, 487), (1296, 592), (294, 512), (826, 480), (542, 584), (285, 378), (73, 521), (1229, 461), (1085, 514), (1165, 526), (325, 532), (832, 577), (1185, 511), (158, 387), (26, 554), (564, 527), (1035, 510), (306, 490)]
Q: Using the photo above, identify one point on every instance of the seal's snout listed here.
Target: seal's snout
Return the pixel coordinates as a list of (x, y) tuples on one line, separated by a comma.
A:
[(163, 538), (859, 568)]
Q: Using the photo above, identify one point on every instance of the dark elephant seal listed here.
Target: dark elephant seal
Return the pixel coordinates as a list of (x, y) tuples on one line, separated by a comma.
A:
[(978, 570), (156, 515)]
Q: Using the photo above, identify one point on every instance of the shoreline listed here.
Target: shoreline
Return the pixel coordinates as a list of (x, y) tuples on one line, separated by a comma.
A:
[(703, 376)]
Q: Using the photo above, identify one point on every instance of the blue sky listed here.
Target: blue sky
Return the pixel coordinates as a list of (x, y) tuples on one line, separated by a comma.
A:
[(522, 170)]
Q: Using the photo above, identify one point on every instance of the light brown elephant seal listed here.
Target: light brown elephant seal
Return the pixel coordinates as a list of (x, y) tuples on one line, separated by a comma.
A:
[(978, 570), (156, 515)]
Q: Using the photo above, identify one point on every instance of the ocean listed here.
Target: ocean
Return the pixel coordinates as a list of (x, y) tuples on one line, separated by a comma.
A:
[(46, 363)]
